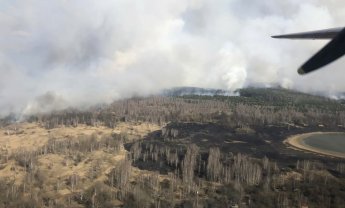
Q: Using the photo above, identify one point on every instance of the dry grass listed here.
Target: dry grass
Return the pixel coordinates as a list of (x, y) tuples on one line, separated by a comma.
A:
[(57, 168), (31, 135), (136, 130)]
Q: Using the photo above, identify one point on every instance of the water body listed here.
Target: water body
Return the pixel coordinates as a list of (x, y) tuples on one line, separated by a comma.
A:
[(326, 142)]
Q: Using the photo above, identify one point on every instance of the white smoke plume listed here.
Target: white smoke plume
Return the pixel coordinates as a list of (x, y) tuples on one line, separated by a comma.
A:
[(84, 52)]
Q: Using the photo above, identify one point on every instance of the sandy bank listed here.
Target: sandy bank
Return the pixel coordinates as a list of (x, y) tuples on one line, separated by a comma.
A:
[(297, 141)]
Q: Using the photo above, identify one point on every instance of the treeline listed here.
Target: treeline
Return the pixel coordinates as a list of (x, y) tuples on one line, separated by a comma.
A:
[(240, 179), (190, 163), (255, 107), (253, 115), (158, 110)]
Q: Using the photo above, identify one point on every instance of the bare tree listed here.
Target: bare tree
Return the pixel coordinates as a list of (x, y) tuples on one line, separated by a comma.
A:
[(188, 165), (214, 166)]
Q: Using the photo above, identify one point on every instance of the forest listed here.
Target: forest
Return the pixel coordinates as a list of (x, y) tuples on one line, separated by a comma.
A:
[(207, 151), (253, 107)]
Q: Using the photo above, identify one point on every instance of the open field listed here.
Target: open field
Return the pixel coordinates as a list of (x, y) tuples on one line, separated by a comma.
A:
[(32, 135), (27, 158)]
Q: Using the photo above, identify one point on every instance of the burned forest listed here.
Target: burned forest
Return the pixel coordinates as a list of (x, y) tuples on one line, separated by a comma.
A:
[(174, 150)]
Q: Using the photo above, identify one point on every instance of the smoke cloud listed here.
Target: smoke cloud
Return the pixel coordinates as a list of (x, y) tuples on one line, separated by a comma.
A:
[(82, 52)]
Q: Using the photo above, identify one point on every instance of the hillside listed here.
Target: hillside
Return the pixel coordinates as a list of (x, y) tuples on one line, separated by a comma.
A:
[(181, 150)]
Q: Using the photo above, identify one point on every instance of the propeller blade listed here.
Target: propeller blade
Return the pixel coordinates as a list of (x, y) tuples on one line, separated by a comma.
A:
[(331, 52)]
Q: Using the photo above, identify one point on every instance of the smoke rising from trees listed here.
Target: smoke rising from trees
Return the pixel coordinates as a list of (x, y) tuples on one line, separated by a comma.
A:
[(84, 52)]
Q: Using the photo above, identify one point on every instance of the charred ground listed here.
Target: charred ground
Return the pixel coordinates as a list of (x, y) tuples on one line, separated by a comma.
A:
[(205, 151)]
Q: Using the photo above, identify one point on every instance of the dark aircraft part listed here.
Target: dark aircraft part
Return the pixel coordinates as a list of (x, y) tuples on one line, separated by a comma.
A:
[(331, 52), (319, 34)]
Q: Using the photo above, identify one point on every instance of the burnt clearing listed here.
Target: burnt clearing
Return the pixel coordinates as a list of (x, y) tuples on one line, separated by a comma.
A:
[(258, 143)]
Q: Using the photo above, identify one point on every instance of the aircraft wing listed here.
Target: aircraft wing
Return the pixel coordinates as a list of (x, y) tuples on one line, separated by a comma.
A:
[(318, 34), (331, 52)]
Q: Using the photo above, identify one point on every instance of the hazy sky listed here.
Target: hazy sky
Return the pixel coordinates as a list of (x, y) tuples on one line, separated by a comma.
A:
[(80, 52)]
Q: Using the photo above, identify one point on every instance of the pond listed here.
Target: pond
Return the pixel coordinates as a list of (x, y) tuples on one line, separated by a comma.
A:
[(327, 142)]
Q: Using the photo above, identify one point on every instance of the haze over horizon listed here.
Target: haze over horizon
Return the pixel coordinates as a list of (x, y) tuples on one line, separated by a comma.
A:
[(79, 53)]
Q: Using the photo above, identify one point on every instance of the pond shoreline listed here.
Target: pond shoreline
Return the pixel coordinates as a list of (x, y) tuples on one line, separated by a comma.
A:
[(297, 142)]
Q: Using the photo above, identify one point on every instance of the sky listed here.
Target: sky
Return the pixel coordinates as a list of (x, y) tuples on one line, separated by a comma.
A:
[(60, 53)]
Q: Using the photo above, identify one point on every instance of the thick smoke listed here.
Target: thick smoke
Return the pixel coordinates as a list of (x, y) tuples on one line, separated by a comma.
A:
[(83, 52)]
